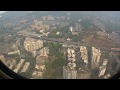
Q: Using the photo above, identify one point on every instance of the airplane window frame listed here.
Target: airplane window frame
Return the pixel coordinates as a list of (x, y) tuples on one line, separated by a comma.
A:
[(6, 73)]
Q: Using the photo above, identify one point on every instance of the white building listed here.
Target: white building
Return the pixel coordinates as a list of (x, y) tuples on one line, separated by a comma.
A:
[(69, 71), (69, 74), (96, 54), (84, 54), (57, 33), (71, 29)]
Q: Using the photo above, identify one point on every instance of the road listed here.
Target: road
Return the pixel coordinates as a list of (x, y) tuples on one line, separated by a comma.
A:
[(68, 43)]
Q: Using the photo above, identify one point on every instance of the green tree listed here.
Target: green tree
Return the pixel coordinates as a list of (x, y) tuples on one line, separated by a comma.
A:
[(76, 38), (54, 66), (54, 49), (1, 39)]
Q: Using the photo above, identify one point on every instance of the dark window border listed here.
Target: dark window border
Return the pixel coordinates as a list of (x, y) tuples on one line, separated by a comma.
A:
[(6, 73)]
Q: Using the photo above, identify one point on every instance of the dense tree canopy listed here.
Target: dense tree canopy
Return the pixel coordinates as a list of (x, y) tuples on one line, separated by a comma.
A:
[(54, 66)]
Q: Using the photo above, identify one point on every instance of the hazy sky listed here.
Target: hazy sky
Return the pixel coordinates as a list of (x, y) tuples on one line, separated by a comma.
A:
[(2, 12)]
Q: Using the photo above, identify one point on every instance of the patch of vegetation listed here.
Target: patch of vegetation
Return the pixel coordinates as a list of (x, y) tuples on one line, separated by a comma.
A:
[(54, 68), (1, 39), (26, 74), (63, 31), (29, 58), (76, 38), (86, 23), (94, 73), (54, 48), (54, 65), (118, 56)]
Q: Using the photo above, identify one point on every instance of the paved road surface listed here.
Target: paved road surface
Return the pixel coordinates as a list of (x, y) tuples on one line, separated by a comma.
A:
[(69, 43)]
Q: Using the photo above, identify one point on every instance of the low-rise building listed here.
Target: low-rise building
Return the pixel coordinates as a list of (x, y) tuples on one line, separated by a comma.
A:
[(2, 58), (46, 34), (68, 39), (37, 75), (8, 62), (25, 67), (41, 60), (13, 64), (75, 33), (40, 67), (71, 29), (44, 18), (14, 52), (50, 17), (57, 33), (19, 65), (44, 52)]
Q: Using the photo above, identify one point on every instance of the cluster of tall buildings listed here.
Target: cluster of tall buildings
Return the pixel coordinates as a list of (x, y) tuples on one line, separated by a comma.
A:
[(76, 28), (49, 17), (39, 26), (69, 71), (32, 45)]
